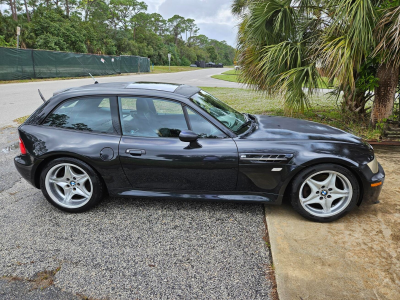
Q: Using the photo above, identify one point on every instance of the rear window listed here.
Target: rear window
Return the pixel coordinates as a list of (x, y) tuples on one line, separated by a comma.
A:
[(92, 114)]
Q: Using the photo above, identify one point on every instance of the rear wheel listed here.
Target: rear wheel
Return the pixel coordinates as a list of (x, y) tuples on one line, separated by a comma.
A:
[(71, 185), (325, 192)]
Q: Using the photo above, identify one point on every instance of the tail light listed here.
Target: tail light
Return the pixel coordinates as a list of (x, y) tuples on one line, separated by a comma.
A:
[(22, 146)]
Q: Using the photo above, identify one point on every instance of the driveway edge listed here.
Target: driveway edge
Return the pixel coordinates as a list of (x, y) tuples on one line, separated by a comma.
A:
[(271, 269)]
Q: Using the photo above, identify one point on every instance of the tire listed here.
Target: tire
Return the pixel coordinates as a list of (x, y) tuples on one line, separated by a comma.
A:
[(325, 192), (71, 185)]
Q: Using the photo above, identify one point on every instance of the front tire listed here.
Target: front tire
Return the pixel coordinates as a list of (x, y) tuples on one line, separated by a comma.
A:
[(324, 193), (71, 185)]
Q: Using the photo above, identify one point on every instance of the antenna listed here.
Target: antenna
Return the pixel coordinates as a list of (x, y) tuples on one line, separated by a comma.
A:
[(95, 81), (41, 96)]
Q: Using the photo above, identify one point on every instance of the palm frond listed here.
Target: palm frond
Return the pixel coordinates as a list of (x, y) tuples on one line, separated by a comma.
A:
[(299, 84), (347, 41), (273, 40), (387, 33), (281, 69), (238, 6)]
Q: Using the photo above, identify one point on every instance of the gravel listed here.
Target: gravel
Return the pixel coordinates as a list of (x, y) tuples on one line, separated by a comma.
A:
[(129, 248)]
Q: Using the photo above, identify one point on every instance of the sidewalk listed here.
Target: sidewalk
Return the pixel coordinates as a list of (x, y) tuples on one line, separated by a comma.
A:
[(356, 257)]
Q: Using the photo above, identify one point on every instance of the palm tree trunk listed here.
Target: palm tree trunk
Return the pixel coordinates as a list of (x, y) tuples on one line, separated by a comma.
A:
[(385, 93)]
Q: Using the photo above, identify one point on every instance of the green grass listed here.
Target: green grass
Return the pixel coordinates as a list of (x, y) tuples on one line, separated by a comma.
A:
[(174, 69), (231, 72), (323, 110), (233, 76)]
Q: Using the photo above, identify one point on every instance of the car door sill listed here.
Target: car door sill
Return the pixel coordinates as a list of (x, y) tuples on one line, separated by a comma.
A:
[(224, 196)]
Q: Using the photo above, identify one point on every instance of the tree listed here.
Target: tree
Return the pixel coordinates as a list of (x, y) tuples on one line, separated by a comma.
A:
[(157, 24), (199, 40), (191, 28), (388, 34), (27, 12), (177, 26), (53, 31), (238, 6), (140, 19), (13, 7), (125, 11), (281, 42), (213, 54), (112, 27)]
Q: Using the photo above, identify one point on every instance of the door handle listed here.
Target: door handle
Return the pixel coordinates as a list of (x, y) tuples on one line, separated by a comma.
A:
[(135, 152)]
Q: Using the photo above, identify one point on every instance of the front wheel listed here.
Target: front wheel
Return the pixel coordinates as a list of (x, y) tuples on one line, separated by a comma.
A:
[(71, 185), (325, 192)]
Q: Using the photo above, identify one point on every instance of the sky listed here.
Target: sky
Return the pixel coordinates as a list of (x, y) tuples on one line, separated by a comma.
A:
[(213, 17)]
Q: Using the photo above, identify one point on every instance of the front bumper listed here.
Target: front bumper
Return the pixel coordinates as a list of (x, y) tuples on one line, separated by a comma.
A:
[(24, 166), (371, 193)]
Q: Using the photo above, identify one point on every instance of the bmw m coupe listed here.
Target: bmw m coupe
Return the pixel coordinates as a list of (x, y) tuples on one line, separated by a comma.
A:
[(159, 140)]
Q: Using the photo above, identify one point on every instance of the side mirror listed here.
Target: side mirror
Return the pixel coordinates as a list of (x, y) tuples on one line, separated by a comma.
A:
[(189, 137)]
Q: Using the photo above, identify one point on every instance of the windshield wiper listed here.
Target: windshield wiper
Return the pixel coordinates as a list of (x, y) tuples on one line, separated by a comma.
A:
[(247, 123)]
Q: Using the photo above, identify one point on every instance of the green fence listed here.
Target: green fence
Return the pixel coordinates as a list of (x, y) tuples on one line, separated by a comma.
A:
[(18, 64)]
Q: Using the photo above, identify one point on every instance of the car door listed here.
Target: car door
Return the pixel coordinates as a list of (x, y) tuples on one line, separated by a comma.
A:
[(154, 158)]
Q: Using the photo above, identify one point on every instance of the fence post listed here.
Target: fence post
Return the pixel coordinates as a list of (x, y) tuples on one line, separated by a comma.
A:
[(33, 63)]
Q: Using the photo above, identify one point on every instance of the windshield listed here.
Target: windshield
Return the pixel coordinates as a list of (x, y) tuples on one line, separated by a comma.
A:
[(232, 119)]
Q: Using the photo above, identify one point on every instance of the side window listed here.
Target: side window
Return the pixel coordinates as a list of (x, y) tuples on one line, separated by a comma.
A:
[(202, 126), (149, 117), (84, 114)]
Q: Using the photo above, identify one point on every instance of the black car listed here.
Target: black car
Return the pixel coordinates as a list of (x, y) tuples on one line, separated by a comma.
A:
[(176, 141)]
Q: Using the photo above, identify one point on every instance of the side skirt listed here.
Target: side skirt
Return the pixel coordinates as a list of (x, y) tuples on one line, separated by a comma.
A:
[(216, 196)]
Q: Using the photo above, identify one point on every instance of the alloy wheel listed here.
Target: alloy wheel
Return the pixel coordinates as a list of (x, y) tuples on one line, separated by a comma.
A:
[(326, 193), (69, 185)]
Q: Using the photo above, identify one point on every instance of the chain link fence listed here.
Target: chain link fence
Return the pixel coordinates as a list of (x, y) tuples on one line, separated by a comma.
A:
[(16, 64)]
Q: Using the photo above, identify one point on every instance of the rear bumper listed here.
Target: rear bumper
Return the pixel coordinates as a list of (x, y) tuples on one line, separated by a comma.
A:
[(370, 193), (24, 166)]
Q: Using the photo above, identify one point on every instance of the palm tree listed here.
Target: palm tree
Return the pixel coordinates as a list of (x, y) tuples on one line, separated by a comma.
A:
[(238, 6), (388, 34), (273, 43), (281, 43)]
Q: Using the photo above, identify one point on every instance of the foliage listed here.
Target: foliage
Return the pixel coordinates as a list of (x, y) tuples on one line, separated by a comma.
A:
[(388, 33), (285, 46), (3, 42), (112, 27)]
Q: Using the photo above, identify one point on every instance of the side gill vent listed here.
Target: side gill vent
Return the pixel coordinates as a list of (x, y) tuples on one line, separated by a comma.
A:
[(279, 158)]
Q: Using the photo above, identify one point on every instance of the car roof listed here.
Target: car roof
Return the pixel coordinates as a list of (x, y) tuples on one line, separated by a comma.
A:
[(122, 87)]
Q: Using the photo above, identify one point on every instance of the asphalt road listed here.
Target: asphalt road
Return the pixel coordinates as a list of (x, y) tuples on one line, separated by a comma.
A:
[(128, 248), (21, 99)]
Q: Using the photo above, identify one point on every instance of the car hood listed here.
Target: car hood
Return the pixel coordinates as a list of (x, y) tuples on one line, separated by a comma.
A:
[(281, 128)]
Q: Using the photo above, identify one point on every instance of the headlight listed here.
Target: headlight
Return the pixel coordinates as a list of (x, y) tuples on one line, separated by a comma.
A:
[(373, 165)]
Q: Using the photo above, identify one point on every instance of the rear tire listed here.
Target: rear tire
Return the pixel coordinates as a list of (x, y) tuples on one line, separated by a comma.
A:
[(325, 193), (71, 185)]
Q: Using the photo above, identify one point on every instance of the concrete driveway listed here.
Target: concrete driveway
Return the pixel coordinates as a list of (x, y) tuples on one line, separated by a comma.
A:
[(21, 99), (356, 257), (127, 248)]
